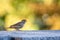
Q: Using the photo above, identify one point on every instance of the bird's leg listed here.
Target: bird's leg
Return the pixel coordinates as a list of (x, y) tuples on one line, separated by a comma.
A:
[(17, 29)]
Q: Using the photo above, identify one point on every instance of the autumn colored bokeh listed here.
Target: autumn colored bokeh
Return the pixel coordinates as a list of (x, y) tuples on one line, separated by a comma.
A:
[(40, 14)]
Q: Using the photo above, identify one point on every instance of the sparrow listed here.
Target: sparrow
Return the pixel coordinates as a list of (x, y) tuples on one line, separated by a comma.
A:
[(18, 25)]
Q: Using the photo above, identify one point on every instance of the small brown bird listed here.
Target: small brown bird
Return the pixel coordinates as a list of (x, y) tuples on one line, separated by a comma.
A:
[(18, 25)]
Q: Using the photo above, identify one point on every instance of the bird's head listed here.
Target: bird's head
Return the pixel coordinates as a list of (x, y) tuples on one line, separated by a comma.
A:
[(23, 20)]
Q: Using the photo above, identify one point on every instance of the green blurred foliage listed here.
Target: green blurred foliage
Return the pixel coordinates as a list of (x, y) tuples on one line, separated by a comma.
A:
[(2, 23)]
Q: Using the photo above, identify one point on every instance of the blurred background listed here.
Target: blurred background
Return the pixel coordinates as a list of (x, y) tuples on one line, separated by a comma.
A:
[(40, 14)]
